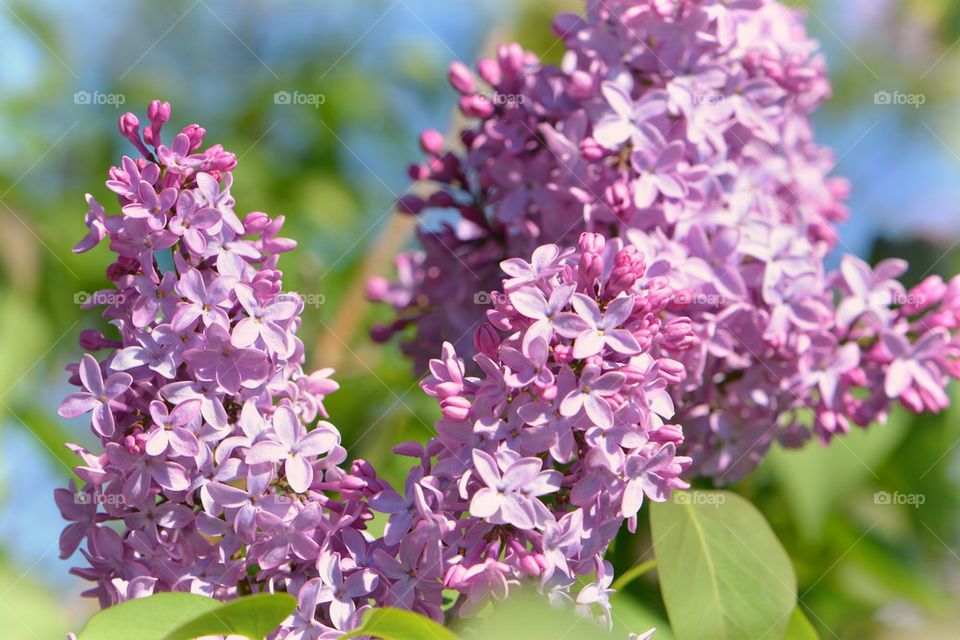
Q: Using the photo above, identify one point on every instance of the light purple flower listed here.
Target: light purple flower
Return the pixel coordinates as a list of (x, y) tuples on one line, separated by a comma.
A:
[(602, 328), (98, 395), (295, 447)]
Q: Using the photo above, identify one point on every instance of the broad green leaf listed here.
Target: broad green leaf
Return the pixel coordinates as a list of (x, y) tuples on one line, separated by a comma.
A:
[(149, 618), (800, 628), (723, 573), (397, 624), (251, 616)]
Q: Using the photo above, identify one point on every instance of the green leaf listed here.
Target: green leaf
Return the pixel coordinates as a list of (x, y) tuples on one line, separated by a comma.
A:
[(800, 628), (184, 616), (397, 624), (251, 616), (149, 618), (723, 573)]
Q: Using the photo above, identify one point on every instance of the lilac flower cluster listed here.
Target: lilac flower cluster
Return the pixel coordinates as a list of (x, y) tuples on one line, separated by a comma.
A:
[(681, 128), (211, 473), (540, 459)]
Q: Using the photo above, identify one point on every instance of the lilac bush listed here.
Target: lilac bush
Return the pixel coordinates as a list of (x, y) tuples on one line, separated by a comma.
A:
[(681, 128)]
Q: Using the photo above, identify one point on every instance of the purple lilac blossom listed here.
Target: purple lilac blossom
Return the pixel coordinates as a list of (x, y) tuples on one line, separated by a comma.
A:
[(212, 472), (542, 457), (681, 128)]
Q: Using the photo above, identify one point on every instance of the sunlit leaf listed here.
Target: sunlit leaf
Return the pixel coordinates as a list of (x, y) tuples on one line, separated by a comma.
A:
[(800, 628), (252, 617), (149, 618), (723, 573), (397, 624)]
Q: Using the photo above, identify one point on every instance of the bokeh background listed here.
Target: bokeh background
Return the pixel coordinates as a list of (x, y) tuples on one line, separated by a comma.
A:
[(373, 75)]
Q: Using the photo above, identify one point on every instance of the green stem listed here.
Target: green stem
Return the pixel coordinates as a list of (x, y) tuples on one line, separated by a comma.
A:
[(632, 574)]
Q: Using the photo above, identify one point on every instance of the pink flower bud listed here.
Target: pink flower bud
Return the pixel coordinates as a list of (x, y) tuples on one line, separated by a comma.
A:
[(195, 132), (431, 141), (490, 71), (455, 408), (476, 106), (461, 79), (486, 340), (410, 204)]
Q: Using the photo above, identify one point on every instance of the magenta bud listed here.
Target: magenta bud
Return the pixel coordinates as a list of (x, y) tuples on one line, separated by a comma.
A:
[(377, 288), (129, 126), (380, 333), (195, 132), (158, 111), (410, 204), (591, 242), (490, 71), (529, 565), (671, 370), (441, 199), (476, 106), (91, 340), (256, 221), (455, 408), (431, 141), (461, 79), (591, 150), (418, 172), (486, 340), (581, 84)]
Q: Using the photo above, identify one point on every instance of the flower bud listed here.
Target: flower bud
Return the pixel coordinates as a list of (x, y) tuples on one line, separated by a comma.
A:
[(461, 79)]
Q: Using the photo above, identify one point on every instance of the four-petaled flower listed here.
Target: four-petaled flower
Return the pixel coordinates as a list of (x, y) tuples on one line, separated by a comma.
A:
[(97, 397), (295, 447)]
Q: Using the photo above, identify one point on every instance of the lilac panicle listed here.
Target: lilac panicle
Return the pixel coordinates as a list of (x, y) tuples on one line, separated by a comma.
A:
[(681, 128), (214, 469), (565, 431)]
